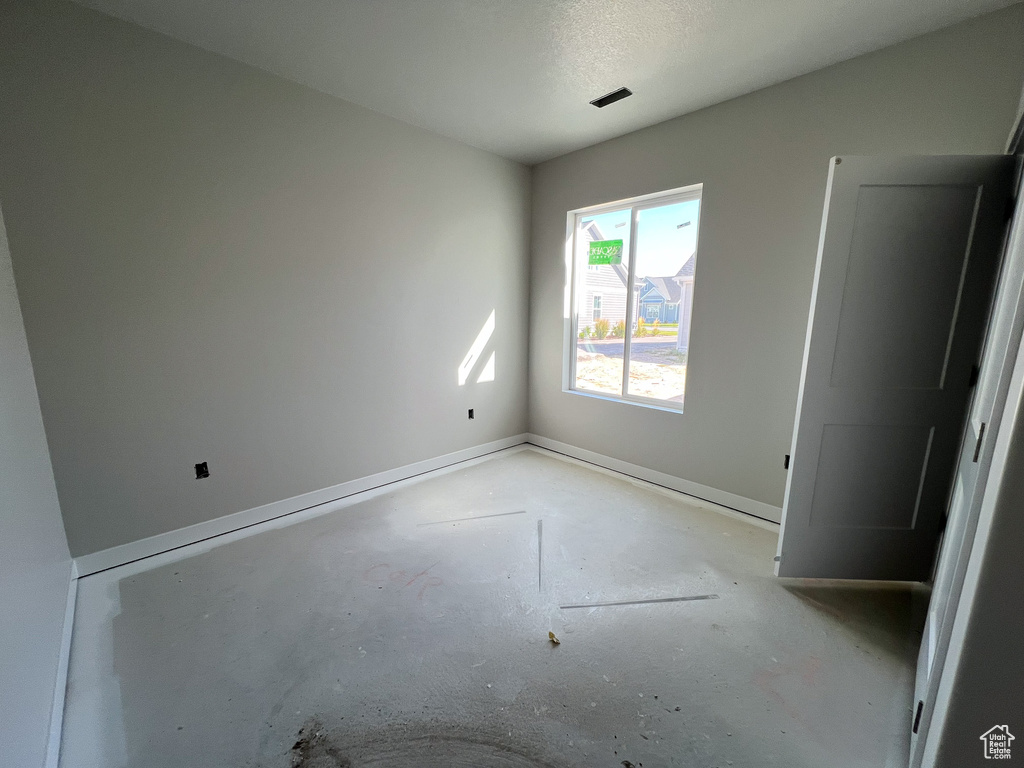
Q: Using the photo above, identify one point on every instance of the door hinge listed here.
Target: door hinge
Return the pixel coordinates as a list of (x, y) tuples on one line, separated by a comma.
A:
[(785, 462), (977, 447), (975, 375), (917, 715)]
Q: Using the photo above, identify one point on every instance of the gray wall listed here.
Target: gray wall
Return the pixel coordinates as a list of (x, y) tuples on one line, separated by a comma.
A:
[(35, 567), (219, 265), (989, 682), (763, 161)]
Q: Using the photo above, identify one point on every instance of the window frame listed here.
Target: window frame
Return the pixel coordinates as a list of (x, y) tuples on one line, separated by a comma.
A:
[(574, 280)]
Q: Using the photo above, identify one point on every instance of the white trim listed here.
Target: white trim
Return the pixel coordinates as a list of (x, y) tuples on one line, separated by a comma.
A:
[(755, 512), (295, 509), (574, 278), (631, 290), (658, 405), (1008, 424), (176, 545), (1015, 142), (807, 349), (998, 365), (650, 200), (61, 685)]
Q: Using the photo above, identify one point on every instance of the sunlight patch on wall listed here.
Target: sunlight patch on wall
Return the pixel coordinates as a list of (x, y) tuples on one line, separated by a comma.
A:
[(475, 353), (487, 374)]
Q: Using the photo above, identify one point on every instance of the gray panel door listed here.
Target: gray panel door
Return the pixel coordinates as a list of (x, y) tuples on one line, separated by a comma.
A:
[(908, 254), (970, 484)]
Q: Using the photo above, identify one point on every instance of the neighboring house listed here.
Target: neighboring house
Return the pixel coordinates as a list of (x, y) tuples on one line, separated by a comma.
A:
[(684, 279), (603, 292), (659, 300), (670, 300)]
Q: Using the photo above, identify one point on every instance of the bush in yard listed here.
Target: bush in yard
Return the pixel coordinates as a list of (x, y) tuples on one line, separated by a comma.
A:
[(619, 331), (656, 327), (601, 327), (585, 333), (641, 328)]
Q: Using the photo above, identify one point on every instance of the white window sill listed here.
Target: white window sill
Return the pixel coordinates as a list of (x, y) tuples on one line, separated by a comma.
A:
[(656, 405)]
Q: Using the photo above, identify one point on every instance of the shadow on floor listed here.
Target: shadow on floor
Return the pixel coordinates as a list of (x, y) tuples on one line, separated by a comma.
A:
[(883, 613)]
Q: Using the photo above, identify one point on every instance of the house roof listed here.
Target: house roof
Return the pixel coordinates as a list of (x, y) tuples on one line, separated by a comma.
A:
[(667, 287), (688, 269)]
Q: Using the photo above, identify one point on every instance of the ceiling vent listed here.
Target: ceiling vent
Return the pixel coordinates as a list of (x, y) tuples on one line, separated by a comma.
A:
[(611, 98)]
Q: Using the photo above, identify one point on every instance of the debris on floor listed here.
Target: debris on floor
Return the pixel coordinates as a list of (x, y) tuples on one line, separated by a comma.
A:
[(313, 748), (296, 633)]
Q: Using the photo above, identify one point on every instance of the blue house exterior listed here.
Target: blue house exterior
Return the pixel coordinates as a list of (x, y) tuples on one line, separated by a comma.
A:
[(660, 297), (659, 300)]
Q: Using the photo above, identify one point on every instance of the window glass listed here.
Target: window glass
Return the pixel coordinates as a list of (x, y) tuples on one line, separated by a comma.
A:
[(602, 253), (666, 260), (634, 343)]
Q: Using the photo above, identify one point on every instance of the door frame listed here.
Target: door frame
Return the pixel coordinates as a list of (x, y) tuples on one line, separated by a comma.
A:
[(967, 564)]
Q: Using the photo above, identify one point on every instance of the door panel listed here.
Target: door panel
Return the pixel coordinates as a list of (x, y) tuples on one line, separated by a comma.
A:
[(906, 262), (989, 398), (896, 457)]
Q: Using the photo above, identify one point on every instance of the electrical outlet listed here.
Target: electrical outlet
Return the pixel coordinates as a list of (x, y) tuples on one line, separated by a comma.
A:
[(202, 471), (471, 414)]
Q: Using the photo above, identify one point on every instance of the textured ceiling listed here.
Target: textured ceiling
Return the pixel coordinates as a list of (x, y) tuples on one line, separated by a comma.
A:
[(515, 76)]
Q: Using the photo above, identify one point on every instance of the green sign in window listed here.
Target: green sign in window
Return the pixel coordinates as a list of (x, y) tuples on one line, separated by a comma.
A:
[(606, 252)]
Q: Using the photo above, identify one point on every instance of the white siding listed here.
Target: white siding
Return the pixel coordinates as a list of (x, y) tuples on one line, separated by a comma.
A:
[(605, 281)]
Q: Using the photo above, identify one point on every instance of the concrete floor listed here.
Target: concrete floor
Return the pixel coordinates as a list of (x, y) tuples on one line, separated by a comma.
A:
[(378, 635)]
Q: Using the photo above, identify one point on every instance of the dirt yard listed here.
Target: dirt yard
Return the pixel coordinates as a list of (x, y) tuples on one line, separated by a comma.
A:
[(663, 380)]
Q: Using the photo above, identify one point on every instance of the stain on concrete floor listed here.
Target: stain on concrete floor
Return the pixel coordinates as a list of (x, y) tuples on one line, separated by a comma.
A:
[(437, 745), (315, 750), (413, 643)]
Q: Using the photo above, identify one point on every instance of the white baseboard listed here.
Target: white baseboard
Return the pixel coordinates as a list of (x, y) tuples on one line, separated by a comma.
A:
[(185, 542), (712, 498), (295, 509), (61, 685)]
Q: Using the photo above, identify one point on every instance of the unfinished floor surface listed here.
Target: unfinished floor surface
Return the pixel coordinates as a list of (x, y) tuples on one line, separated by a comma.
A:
[(411, 629)]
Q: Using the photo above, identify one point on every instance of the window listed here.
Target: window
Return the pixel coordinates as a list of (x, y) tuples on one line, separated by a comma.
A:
[(632, 279)]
